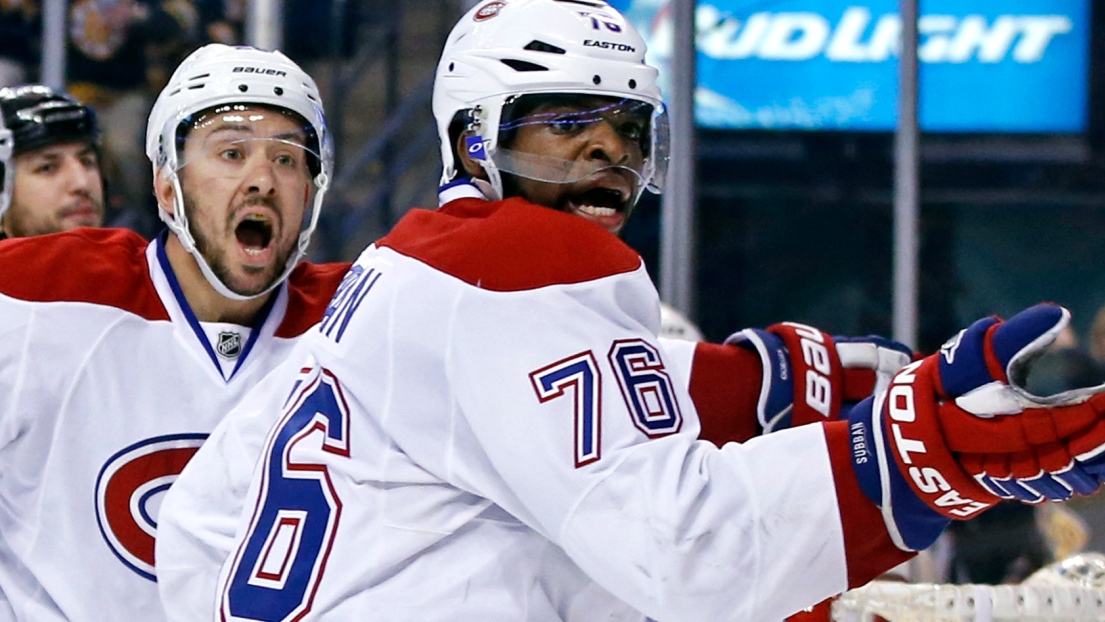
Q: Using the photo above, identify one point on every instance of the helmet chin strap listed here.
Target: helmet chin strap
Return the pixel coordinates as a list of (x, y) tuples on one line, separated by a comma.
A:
[(487, 189), (492, 187), (178, 223)]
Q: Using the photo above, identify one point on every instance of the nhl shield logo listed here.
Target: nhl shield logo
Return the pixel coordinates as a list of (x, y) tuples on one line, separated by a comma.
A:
[(230, 345)]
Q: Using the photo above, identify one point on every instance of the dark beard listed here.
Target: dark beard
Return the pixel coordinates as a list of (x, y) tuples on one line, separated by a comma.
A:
[(217, 262)]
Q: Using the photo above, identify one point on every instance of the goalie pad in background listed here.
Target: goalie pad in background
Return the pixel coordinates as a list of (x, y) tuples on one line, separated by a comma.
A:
[(1069, 590)]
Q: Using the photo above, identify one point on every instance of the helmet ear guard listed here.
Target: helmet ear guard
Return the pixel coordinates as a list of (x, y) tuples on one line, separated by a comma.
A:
[(465, 140), (7, 168), (500, 51)]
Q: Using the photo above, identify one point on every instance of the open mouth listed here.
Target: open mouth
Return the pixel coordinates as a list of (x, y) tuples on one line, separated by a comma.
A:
[(254, 233), (600, 201), (605, 206)]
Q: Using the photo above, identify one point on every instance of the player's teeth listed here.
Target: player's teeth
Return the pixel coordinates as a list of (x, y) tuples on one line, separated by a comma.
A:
[(594, 210)]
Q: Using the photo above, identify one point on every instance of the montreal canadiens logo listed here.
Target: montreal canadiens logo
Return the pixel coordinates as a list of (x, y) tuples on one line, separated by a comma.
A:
[(129, 490), (489, 10)]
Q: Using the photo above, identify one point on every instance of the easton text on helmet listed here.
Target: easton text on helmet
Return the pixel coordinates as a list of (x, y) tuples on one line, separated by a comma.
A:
[(608, 45)]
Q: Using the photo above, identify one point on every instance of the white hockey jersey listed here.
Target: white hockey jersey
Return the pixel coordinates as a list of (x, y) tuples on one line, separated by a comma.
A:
[(110, 384), (483, 427)]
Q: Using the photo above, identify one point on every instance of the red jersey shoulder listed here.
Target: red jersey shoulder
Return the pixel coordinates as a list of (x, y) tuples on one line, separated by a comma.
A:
[(310, 288), (510, 245), (99, 266)]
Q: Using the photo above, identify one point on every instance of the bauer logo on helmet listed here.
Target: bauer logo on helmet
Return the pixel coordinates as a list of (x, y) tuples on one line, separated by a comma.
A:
[(259, 70)]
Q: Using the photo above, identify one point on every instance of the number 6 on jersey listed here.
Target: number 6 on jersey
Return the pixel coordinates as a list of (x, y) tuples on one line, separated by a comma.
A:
[(279, 564)]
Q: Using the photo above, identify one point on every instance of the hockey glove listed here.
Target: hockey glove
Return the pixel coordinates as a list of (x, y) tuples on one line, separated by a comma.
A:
[(809, 376), (952, 435)]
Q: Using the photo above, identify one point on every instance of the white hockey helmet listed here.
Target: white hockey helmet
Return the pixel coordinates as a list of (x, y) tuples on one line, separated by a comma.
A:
[(504, 49), (216, 75), (675, 325)]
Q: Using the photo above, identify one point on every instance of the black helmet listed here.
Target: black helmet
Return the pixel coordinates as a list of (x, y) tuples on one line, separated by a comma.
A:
[(34, 116), (38, 115)]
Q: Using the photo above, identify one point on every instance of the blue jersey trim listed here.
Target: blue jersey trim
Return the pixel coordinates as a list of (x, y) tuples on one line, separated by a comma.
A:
[(193, 321)]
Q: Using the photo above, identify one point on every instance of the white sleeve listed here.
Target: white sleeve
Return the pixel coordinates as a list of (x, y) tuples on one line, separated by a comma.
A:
[(678, 358), (572, 421), (15, 320), (37, 367), (199, 514)]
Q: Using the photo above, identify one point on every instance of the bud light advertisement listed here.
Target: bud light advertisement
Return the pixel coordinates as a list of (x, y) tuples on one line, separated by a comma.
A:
[(1016, 66)]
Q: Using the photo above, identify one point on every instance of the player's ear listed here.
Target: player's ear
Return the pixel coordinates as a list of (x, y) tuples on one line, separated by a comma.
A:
[(471, 167), (164, 191)]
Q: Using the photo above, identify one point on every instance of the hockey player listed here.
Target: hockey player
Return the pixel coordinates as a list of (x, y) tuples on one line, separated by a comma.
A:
[(758, 385), (121, 355), (483, 426), (50, 177)]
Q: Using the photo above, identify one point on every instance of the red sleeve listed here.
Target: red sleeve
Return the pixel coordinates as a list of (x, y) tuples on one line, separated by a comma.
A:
[(725, 386), (98, 266), (868, 549), (310, 288)]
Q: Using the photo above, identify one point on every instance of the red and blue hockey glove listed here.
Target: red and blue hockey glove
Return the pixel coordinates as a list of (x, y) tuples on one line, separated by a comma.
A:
[(952, 435), (809, 376)]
